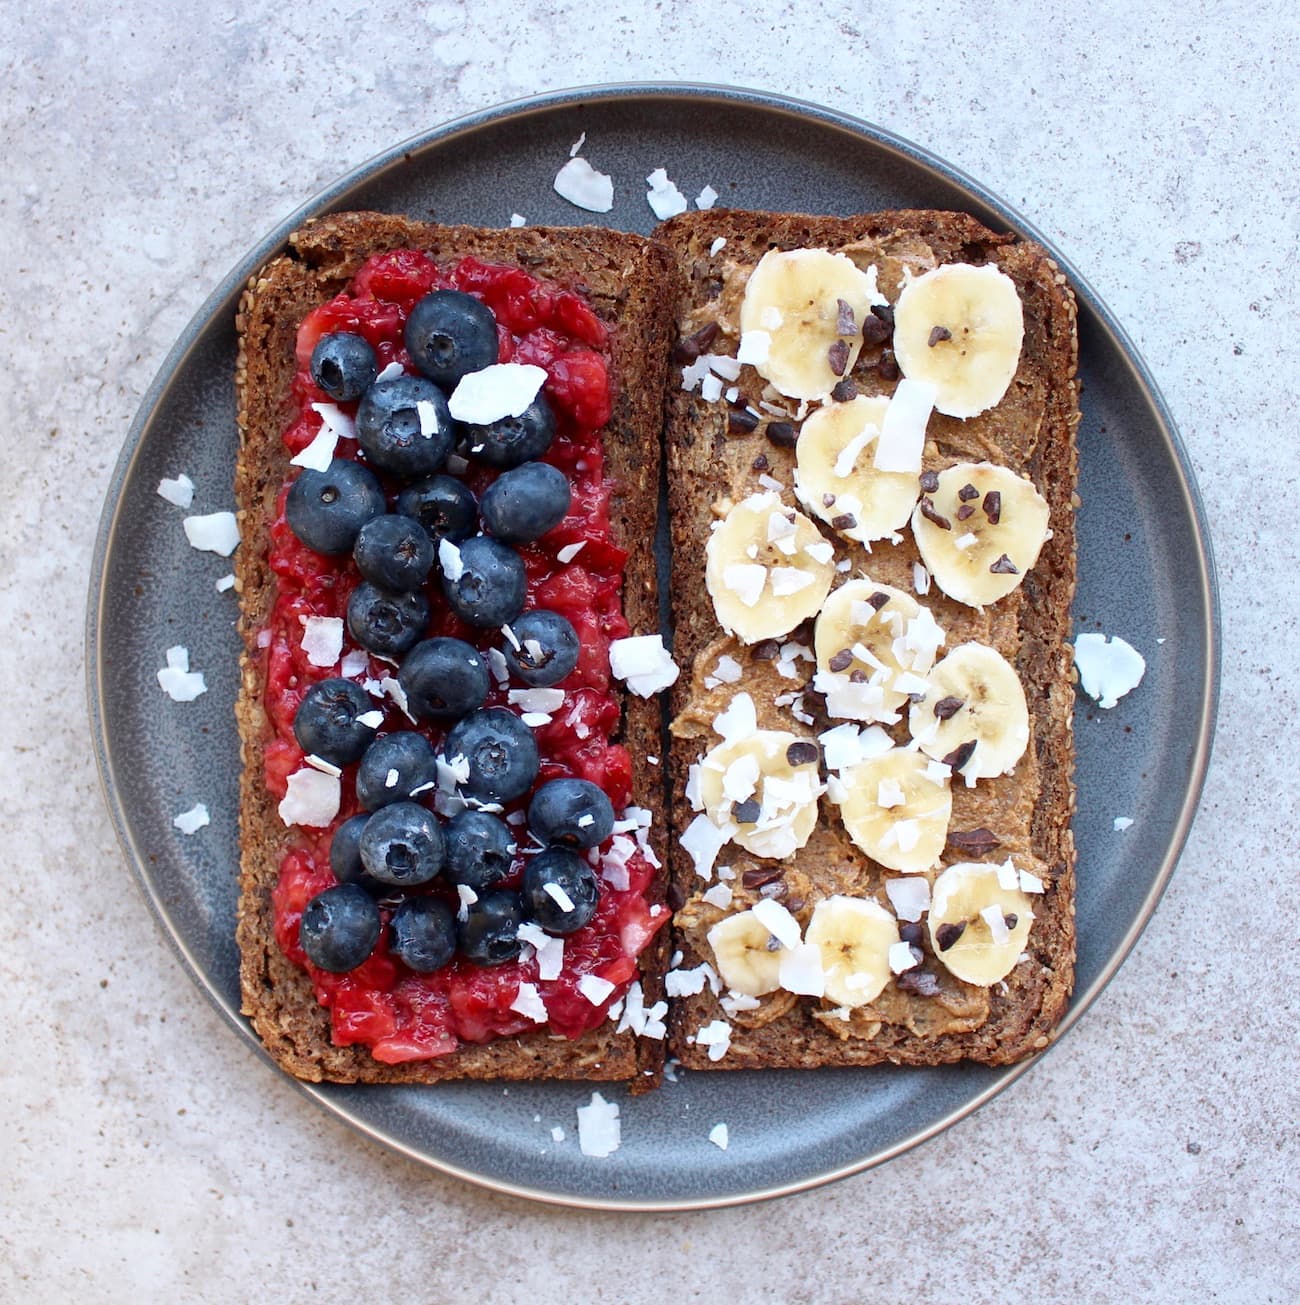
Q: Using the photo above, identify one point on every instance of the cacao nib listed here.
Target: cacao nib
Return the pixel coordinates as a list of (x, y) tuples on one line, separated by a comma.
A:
[(947, 934), (977, 842), (929, 513), (887, 367), (690, 348), (844, 391), (782, 434), (946, 708), (1004, 566), (841, 661), (921, 982), (967, 492), (960, 755), (883, 313), (846, 323), (764, 874), (993, 506), (874, 331), (845, 521), (838, 357), (760, 463), (740, 421), (938, 334), (878, 600), (802, 753), (745, 813), (767, 650), (930, 481)]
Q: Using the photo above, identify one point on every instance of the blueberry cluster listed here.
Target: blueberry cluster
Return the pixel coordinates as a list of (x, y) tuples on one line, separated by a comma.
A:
[(396, 850)]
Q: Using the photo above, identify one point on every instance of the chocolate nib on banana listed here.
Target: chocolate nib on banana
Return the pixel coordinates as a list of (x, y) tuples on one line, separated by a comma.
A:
[(875, 436)]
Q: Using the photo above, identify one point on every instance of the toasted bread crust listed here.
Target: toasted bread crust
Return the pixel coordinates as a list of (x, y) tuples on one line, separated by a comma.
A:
[(631, 285), (1032, 431)]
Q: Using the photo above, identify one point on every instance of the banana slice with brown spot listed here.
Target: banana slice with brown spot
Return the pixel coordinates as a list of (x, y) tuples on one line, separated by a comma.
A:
[(978, 925), (875, 644), (836, 477), (746, 954), (767, 784), (801, 319), (854, 935), (974, 716), (960, 328), (896, 808), (979, 528), (767, 568)]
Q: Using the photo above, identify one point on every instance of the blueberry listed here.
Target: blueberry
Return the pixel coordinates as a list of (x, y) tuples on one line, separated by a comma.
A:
[(404, 426), (343, 365), (449, 334), (394, 552), (325, 509), (512, 440), (443, 505), (480, 849), (444, 679), (422, 934), (525, 503), (548, 648), (402, 845), (489, 933), (386, 623), (491, 585), (345, 852), (327, 721), (573, 890), (571, 812), (339, 928), (501, 752), (410, 754)]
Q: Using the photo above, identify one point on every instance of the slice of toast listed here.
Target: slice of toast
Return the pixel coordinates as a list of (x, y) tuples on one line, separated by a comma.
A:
[(630, 284), (918, 1019)]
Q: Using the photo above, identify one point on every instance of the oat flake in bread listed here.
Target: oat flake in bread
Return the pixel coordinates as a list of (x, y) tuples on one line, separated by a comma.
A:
[(936, 381), (589, 313)]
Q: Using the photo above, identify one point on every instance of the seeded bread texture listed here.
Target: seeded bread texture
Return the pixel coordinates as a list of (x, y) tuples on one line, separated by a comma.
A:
[(1033, 432), (631, 285)]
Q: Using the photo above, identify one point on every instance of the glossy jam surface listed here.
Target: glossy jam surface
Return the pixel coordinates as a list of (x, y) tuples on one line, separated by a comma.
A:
[(398, 1014)]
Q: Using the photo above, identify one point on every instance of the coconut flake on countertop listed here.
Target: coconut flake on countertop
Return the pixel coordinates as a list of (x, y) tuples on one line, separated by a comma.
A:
[(495, 392), (643, 664), (322, 639), (599, 1132), (217, 532), (191, 821), (663, 196), (1108, 667), (178, 492), (176, 679), (580, 183), (311, 798)]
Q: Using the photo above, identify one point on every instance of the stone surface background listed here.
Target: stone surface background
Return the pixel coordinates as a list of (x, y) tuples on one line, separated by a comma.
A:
[(147, 1154)]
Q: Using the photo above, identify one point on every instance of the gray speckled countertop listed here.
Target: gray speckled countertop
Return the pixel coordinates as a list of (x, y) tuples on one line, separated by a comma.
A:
[(149, 1155)]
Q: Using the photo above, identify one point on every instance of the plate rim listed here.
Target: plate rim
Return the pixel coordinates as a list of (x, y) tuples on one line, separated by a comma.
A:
[(653, 92)]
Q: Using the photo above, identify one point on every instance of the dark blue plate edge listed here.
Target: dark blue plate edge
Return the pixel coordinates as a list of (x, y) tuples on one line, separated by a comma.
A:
[(223, 301)]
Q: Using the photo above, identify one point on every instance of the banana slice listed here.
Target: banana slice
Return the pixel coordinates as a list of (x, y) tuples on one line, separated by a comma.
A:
[(767, 783), (746, 954), (767, 568), (896, 808), (835, 474), (978, 928), (974, 717), (960, 328), (801, 319), (854, 935), (875, 645), (979, 528)]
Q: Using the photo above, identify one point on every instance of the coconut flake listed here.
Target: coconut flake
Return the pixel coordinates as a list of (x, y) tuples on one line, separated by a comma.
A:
[(711, 389), (686, 983), (920, 579), (224, 583), (777, 921), (992, 916), (746, 581), (800, 970), (643, 664), (497, 391), (528, 1002), (1030, 883), (1122, 823), (580, 183), (739, 720), (716, 1036), (570, 551), (963, 542), (902, 433), (467, 899), (325, 767), (179, 492), (1108, 667), (311, 798), (394, 371), (909, 896), (706, 199), (176, 679), (902, 958), (599, 1132), (518, 220), (846, 745), (449, 560), (718, 245), (322, 639), (787, 580), (536, 700), (755, 347), (191, 821), (218, 532), (663, 196), (718, 1133), (702, 840), (595, 989)]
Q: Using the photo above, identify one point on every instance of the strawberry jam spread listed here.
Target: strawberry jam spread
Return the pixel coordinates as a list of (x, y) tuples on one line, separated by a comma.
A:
[(399, 1013)]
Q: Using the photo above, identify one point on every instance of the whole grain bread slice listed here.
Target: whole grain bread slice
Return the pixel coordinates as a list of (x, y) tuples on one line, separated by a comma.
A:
[(631, 285), (714, 456)]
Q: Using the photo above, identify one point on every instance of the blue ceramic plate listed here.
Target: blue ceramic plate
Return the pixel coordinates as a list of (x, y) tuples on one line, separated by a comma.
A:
[(1145, 572)]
